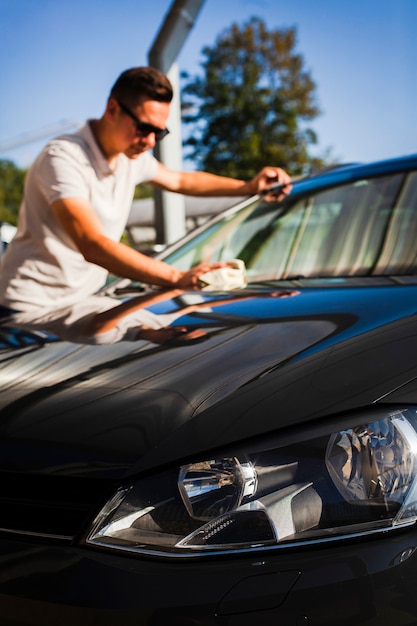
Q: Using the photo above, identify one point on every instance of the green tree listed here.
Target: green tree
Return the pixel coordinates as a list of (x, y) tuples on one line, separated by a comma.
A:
[(144, 190), (251, 106), (11, 190)]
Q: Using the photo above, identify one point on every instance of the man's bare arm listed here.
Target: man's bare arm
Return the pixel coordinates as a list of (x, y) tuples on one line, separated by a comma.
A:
[(206, 184), (81, 224)]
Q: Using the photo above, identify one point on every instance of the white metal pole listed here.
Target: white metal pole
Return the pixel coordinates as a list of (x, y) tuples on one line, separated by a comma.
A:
[(170, 207)]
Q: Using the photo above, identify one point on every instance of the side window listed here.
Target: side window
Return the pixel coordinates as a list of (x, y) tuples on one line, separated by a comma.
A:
[(355, 240), (336, 232), (398, 254)]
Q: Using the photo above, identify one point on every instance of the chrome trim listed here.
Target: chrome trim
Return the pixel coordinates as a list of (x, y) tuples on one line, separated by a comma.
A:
[(248, 551), (29, 533)]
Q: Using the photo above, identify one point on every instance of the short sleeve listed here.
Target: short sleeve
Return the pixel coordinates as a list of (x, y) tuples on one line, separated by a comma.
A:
[(146, 166), (62, 172)]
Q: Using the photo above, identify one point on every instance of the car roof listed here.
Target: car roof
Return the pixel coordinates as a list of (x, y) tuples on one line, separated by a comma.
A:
[(353, 171)]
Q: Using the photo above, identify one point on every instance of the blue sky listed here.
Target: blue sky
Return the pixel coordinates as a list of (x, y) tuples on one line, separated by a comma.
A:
[(58, 59)]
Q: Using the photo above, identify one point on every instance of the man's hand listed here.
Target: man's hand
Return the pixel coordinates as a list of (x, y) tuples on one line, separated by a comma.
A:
[(189, 280), (267, 177)]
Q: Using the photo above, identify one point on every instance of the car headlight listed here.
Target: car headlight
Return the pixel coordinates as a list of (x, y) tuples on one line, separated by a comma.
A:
[(345, 477)]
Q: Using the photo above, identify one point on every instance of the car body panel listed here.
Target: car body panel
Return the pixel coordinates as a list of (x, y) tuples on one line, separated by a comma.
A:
[(89, 399)]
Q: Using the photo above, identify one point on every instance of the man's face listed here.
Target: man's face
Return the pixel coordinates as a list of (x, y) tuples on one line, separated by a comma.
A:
[(142, 125)]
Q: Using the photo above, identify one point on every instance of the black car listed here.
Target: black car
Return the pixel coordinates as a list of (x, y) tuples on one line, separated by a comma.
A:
[(251, 462)]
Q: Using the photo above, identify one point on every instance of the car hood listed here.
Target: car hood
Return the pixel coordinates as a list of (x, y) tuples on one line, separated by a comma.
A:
[(270, 358)]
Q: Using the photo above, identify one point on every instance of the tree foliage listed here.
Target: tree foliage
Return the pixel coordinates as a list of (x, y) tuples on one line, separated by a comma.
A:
[(144, 190), (251, 106), (11, 191)]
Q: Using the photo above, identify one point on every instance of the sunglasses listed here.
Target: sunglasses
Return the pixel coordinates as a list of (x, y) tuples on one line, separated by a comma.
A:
[(143, 128)]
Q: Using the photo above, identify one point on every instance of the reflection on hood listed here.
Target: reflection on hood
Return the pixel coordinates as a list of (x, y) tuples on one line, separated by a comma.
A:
[(105, 320)]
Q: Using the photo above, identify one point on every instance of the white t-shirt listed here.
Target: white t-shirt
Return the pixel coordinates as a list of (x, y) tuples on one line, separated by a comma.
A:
[(41, 266)]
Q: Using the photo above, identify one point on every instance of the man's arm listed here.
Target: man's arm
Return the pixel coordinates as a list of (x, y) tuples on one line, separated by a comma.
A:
[(206, 184), (81, 224)]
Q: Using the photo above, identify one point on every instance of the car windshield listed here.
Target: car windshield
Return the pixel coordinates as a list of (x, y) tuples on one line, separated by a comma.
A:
[(366, 227)]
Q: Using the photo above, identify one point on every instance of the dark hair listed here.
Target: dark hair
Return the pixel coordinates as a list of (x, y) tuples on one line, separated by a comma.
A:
[(139, 82)]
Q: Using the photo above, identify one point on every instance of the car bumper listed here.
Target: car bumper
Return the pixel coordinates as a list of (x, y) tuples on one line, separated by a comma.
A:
[(368, 582)]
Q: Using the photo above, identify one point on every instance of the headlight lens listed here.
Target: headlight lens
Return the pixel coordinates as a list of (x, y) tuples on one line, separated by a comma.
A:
[(328, 482)]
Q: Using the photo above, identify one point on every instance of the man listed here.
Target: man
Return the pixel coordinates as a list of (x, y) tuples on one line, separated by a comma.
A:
[(78, 195)]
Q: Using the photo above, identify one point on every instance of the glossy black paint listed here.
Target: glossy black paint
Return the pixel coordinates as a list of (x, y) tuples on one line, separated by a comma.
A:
[(361, 583), (86, 409), (78, 420)]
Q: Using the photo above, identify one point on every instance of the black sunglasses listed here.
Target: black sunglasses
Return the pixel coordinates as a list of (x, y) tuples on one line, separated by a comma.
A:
[(143, 128)]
